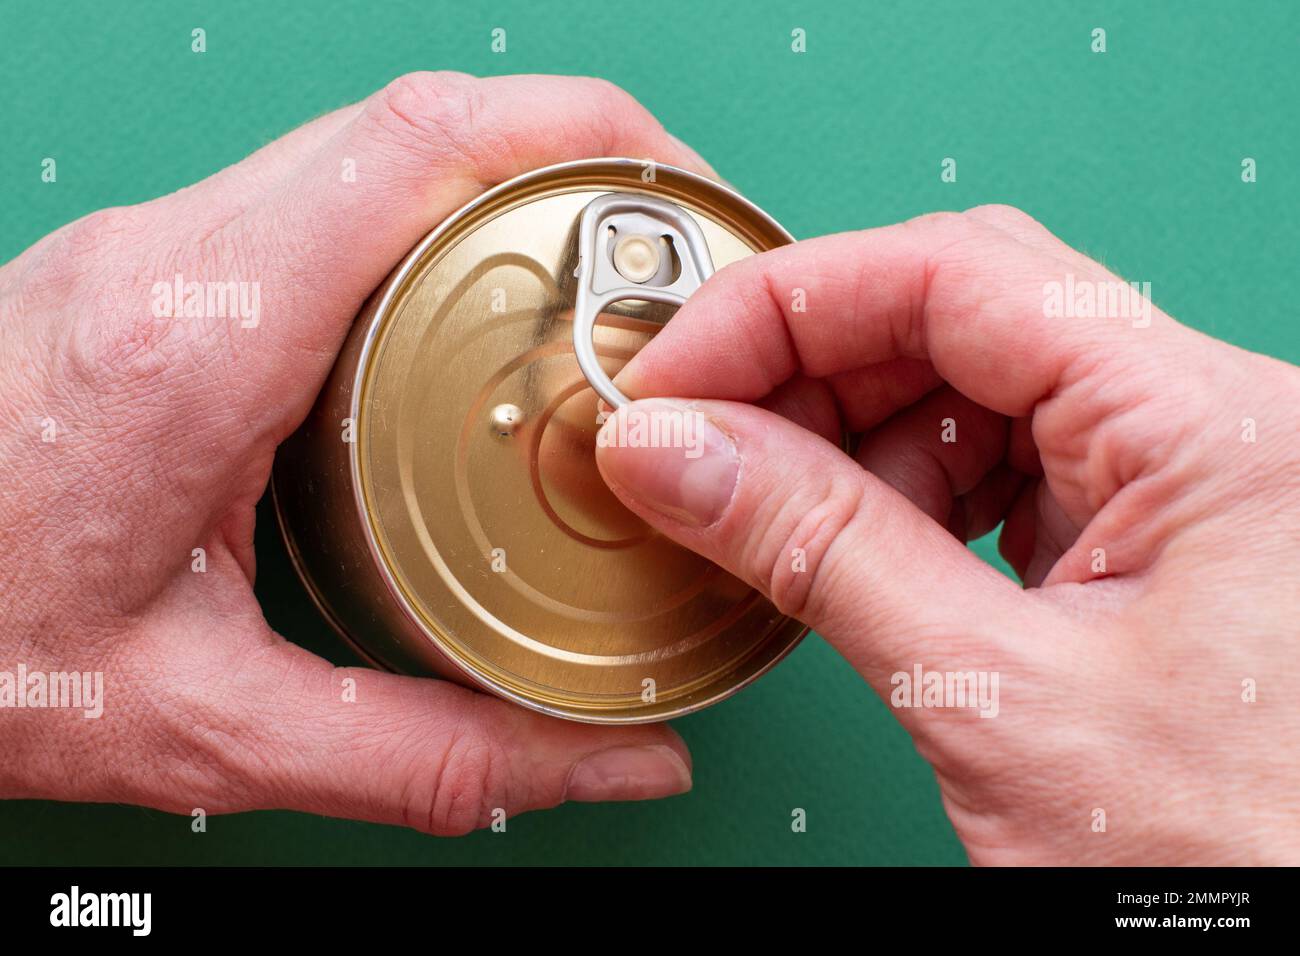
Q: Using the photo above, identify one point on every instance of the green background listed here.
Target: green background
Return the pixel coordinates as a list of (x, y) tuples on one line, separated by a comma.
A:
[(1133, 155)]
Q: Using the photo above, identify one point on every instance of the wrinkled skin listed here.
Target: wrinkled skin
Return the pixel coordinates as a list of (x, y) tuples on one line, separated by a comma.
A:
[(1122, 685), (164, 433)]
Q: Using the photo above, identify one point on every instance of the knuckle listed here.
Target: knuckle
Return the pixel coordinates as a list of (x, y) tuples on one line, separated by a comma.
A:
[(420, 112), (613, 113), (950, 237), (1004, 217), (99, 276), (148, 328), (609, 95), (467, 782), (966, 264), (127, 342), (955, 236), (797, 554), (73, 256), (942, 221), (103, 229), (997, 212)]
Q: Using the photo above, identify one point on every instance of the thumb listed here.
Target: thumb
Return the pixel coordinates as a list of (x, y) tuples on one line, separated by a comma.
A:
[(424, 753), (797, 518)]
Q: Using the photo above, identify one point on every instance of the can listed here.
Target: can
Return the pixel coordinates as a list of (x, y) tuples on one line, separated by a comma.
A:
[(441, 501)]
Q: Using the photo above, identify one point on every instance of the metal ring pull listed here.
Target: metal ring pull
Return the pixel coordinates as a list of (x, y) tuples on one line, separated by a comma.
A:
[(632, 246)]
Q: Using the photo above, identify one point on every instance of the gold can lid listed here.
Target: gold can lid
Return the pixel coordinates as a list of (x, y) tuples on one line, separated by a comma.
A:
[(475, 442)]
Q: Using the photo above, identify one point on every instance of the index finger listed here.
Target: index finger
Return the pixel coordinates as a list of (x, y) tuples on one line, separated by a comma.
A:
[(968, 296), (317, 225)]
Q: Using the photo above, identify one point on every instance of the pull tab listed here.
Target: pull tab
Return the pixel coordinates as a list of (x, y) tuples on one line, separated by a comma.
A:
[(632, 247)]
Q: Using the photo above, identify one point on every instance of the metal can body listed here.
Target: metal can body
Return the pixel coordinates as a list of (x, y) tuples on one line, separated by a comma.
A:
[(441, 501)]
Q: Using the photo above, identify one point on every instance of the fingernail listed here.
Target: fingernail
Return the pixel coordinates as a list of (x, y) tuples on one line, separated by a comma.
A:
[(669, 457), (628, 773)]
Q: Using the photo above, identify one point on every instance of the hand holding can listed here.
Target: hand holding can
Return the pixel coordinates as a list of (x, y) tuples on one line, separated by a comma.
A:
[(139, 434)]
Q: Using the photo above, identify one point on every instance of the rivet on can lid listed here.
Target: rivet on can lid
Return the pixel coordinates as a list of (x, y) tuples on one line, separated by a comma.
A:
[(506, 418), (636, 258)]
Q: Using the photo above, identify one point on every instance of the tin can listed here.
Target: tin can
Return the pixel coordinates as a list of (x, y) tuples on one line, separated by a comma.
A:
[(441, 502)]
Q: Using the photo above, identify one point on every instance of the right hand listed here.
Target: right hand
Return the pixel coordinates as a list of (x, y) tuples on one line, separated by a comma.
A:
[(1160, 546)]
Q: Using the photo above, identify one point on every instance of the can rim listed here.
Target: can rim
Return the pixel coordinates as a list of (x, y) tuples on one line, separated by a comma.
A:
[(393, 286)]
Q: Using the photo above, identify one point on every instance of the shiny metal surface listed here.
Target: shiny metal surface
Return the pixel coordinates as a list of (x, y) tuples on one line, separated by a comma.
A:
[(606, 225), (464, 530)]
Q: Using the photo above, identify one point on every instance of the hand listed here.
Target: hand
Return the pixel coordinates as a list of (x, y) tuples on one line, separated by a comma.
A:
[(1148, 478), (129, 440)]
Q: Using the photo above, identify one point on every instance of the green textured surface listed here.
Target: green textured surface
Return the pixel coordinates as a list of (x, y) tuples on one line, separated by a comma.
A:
[(1133, 156)]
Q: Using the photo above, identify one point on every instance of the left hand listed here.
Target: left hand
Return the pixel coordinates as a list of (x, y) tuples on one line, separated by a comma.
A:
[(163, 433)]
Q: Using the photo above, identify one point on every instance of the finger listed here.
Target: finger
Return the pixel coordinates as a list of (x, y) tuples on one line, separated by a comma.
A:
[(936, 451), (966, 297), (1054, 533), (273, 167), (947, 288), (869, 395), (1031, 233), (794, 516), (986, 505), (1022, 451), (1016, 542), (336, 209), (1037, 533), (429, 754), (420, 148), (810, 404)]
